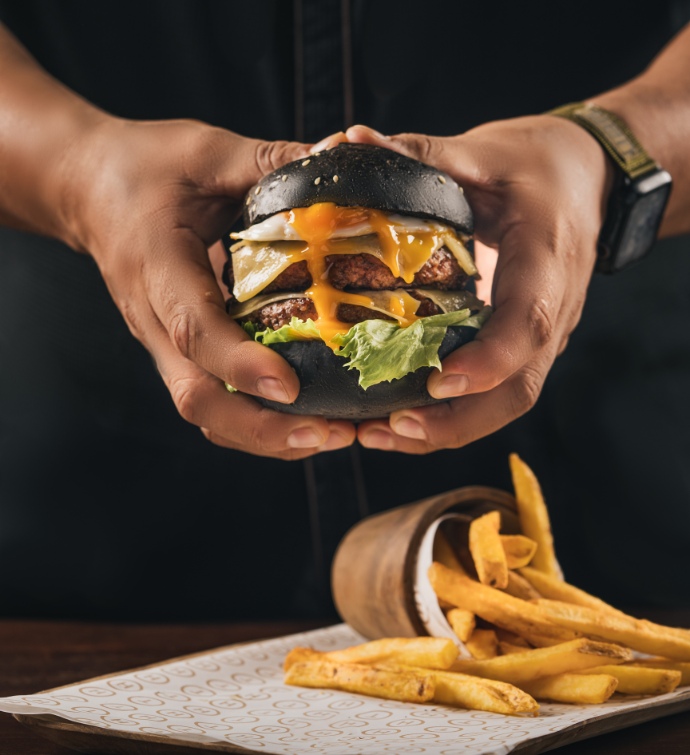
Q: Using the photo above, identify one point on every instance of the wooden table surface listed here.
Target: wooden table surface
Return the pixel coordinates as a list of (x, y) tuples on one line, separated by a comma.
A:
[(37, 655)]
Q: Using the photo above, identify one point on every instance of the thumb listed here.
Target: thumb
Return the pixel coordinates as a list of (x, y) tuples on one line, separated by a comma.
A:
[(243, 162), (273, 155), (447, 153)]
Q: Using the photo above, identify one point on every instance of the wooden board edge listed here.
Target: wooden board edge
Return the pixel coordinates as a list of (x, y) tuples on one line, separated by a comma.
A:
[(607, 723)]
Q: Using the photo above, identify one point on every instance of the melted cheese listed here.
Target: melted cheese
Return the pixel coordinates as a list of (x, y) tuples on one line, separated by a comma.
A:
[(316, 225), (325, 229), (256, 264)]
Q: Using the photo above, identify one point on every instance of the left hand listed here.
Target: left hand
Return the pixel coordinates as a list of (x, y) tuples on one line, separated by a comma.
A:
[(538, 187)]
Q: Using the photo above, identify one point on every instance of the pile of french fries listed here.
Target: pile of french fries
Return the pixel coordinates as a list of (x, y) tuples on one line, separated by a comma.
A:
[(532, 636)]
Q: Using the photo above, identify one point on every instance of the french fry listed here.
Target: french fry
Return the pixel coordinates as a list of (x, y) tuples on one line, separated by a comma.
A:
[(663, 663), (519, 587), (509, 642), (462, 622), (430, 652), (497, 697), (519, 550), (482, 644), (474, 693), (487, 550), (636, 680), (514, 639), (508, 648), (404, 685), (638, 635), (556, 589), (521, 667), (683, 634), (533, 515), (495, 606), (579, 689), (302, 655), (538, 640)]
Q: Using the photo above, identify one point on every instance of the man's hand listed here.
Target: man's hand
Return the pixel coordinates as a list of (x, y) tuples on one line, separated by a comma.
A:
[(538, 187), (146, 200)]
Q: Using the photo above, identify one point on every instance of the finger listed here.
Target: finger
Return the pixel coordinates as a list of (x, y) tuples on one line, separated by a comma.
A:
[(328, 142), (237, 421), (186, 299), (340, 435), (258, 157), (528, 296), (444, 152), (233, 163), (456, 423)]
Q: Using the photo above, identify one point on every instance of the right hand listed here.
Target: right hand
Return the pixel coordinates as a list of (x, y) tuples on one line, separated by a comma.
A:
[(146, 200)]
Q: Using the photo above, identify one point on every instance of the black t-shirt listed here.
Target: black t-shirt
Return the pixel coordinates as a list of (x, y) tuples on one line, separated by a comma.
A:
[(111, 506)]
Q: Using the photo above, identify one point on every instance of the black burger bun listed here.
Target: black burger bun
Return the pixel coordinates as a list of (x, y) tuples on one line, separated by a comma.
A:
[(328, 389), (361, 175)]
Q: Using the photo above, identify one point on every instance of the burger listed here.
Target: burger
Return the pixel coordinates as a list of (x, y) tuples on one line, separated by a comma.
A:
[(354, 266)]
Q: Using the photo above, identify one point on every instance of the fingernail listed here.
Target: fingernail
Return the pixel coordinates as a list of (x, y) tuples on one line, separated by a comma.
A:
[(451, 385), (409, 428), (372, 131), (328, 142), (336, 440), (378, 439), (273, 389), (378, 133), (304, 437)]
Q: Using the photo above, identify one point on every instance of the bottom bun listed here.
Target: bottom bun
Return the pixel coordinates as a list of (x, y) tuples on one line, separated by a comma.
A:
[(331, 390)]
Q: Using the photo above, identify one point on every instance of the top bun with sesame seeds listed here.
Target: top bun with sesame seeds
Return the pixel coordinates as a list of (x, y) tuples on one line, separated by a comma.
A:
[(353, 265), (361, 175)]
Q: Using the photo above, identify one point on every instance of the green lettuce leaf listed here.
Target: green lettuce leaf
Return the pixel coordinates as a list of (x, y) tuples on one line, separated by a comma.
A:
[(380, 349), (297, 330), (383, 351)]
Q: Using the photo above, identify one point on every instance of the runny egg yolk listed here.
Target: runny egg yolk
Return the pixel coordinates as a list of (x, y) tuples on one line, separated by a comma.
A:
[(404, 254)]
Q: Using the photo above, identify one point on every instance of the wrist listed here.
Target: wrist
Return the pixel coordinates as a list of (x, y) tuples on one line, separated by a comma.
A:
[(660, 125), (597, 167), (640, 192), (70, 175)]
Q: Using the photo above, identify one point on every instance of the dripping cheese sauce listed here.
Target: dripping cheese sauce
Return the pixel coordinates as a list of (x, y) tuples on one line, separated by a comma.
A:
[(404, 254)]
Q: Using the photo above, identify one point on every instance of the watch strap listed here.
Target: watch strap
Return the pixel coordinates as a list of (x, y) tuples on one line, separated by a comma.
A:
[(613, 134)]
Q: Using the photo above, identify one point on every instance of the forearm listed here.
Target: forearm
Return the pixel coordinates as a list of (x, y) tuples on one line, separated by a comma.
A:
[(41, 123), (656, 106)]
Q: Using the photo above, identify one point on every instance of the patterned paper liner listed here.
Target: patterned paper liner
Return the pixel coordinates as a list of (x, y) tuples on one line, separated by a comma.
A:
[(235, 697)]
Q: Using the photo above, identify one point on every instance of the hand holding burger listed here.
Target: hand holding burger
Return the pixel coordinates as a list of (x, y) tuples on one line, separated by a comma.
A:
[(537, 187)]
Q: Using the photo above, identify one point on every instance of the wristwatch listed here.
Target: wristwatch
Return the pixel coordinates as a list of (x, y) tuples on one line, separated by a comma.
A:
[(639, 194)]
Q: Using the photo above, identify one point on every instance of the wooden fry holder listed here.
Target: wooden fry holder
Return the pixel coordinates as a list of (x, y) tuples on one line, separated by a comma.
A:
[(374, 570)]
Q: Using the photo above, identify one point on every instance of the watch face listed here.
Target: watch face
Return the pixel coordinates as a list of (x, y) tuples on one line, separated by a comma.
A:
[(642, 227), (638, 215)]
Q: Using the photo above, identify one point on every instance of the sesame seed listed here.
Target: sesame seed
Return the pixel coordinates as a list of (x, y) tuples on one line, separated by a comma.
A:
[(284, 178), (249, 200), (442, 179), (316, 154), (257, 191), (335, 179), (317, 181), (305, 163), (461, 190)]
